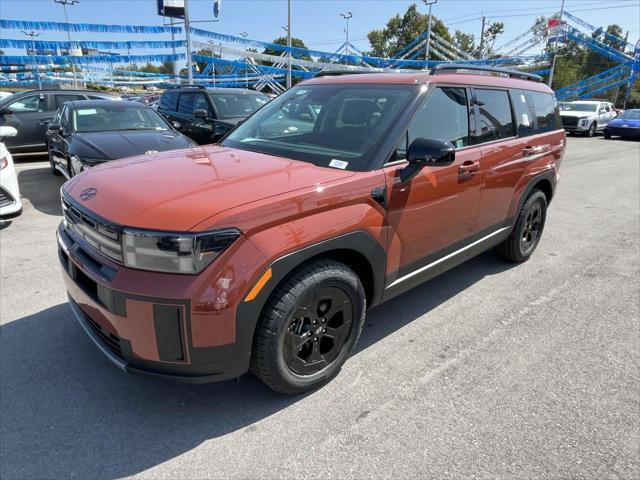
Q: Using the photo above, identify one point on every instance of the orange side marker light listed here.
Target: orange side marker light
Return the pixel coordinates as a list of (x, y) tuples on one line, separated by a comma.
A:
[(266, 276)]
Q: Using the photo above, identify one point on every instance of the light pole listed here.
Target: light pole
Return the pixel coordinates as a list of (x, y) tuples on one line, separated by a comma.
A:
[(33, 34), (289, 43), (555, 46), (64, 4), (430, 3), (347, 16), (246, 66), (187, 31)]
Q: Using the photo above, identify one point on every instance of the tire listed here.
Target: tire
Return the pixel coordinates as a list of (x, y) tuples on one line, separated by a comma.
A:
[(309, 327), (592, 130), (527, 231), (607, 135), (52, 168)]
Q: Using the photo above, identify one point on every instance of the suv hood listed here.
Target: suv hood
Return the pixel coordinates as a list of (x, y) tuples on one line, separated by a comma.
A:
[(577, 114), (114, 145), (178, 190)]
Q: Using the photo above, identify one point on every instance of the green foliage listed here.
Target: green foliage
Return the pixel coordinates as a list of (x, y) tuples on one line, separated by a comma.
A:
[(399, 31), (465, 42)]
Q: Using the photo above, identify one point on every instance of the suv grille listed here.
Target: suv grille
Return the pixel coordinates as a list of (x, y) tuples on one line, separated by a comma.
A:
[(5, 198), (102, 238), (569, 121)]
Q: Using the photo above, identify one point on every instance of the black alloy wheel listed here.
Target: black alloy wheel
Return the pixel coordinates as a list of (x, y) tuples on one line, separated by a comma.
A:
[(532, 227), (318, 331)]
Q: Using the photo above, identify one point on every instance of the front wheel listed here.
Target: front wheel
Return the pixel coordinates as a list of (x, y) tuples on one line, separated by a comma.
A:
[(52, 166), (527, 230), (592, 130), (309, 327)]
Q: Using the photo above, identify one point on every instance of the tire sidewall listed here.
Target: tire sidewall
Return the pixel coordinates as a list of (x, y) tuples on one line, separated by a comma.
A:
[(592, 130), (349, 283)]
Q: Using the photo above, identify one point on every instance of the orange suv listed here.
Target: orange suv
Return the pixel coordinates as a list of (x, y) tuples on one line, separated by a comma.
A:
[(263, 252)]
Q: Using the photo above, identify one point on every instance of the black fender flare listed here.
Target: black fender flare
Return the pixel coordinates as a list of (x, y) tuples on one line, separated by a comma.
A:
[(548, 175), (248, 313)]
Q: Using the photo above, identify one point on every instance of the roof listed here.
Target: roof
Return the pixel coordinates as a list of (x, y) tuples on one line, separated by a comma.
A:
[(213, 90), (422, 78)]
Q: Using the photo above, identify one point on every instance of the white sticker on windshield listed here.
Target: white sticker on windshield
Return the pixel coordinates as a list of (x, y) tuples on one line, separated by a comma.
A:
[(525, 120), (338, 164), (87, 111), (522, 99)]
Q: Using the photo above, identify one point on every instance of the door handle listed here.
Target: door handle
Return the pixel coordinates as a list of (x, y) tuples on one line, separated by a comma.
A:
[(530, 150), (469, 168)]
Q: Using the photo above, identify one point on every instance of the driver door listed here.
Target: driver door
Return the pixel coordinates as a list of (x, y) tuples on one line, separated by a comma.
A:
[(29, 116), (436, 212)]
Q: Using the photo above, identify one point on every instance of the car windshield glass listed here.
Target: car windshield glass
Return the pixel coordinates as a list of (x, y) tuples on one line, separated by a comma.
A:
[(337, 126), (630, 115), (237, 105), (99, 119), (579, 107)]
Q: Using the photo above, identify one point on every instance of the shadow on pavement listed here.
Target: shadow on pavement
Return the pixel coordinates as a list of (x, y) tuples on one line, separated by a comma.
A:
[(42, 189), (67, 412)]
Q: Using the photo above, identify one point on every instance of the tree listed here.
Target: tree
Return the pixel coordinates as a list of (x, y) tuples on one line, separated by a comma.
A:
[(465, 42), (399, 31), (295, 42), (491, 32)]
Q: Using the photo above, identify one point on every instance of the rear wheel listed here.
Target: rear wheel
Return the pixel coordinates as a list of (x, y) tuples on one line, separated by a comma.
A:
[(607, 135), (527, 230), (309, 327), (592, 130)]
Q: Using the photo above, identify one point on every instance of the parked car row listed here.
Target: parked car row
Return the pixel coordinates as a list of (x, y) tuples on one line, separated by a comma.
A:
[(589, 117)]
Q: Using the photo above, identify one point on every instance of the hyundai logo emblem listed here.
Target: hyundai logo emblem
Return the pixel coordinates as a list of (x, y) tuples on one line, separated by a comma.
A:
[(88, 193)]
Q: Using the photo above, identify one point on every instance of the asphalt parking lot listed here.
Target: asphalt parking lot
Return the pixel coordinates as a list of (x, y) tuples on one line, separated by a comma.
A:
[(489, 371)]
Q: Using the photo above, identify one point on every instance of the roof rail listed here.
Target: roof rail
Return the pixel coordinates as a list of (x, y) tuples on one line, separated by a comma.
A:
[(443, 67), (329, 72)]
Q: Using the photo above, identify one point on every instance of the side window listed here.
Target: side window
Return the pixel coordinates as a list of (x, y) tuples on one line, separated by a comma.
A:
[(60, 99), (496, 121), (185, 104), (32, 103), (526, 121), (444, 116), (200, 103), (546, 110), (169, 101)]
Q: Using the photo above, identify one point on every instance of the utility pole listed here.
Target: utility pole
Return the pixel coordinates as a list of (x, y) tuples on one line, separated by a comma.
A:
[(246, 65), (555, 46), (482, 38), (289, 43), (64, 4), (33, 34), (347, 16), (187, 31), (430, 3), (173, 51)]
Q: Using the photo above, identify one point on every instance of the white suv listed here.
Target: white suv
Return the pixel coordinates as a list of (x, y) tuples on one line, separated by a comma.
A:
[(587, 117)]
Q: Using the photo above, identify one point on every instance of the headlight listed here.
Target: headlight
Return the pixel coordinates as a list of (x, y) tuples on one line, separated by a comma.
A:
[(174, 252)]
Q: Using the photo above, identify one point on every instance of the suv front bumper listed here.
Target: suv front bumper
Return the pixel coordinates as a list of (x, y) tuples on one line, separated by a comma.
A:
[(187, 338)]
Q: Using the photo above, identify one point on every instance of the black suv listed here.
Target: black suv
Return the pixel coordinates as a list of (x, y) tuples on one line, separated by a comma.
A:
[(31, 111), (207, 114)]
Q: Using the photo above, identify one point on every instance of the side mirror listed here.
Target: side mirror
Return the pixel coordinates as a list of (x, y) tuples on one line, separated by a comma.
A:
[(176, 125), (54, 128), (200, 113), (5, 110), (6, 131), (425, 152)]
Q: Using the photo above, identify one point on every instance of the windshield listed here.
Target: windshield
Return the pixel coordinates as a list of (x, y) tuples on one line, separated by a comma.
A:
[(579, 107), (100, 119), (329, 125), (630, 115), (237, 105)]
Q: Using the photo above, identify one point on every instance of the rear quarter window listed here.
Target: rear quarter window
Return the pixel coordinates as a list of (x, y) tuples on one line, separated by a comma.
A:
[(546, 111), (169, 101)]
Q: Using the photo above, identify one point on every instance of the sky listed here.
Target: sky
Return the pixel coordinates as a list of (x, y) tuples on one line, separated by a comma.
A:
[(317, 22)]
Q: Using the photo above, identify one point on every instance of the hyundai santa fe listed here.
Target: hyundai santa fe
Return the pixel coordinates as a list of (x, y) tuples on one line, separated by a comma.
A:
[(264, 252)]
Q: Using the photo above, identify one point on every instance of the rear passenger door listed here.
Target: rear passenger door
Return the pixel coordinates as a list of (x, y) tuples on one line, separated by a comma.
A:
[(435, 212), (502, 153), (29, 115)]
